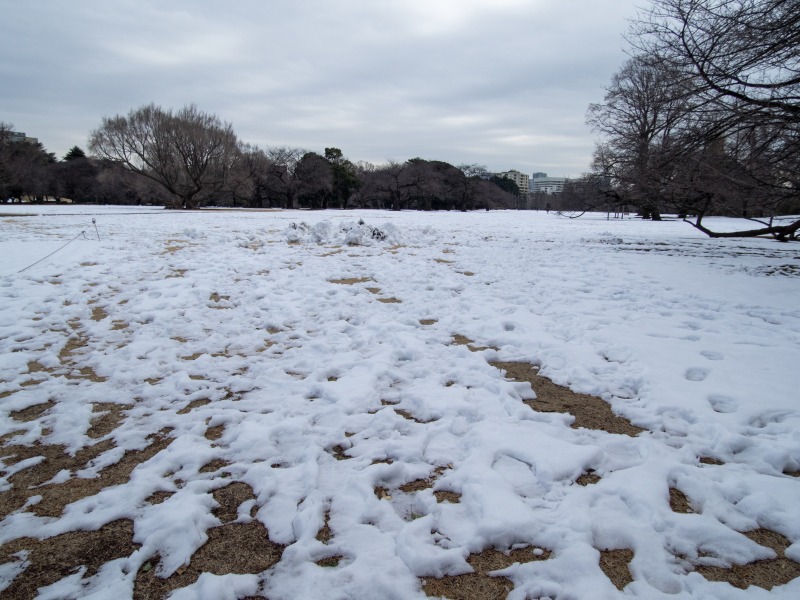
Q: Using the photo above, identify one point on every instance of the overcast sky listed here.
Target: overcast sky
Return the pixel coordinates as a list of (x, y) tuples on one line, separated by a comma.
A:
[(503, 83)]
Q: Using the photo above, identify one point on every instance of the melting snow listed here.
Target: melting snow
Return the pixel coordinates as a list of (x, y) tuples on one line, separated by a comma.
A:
[(235, 333)]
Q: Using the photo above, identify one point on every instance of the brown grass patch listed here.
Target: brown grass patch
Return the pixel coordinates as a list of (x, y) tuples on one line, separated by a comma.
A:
[(214, 465), (99, 313), (374, 290), (678, 502), (32, 412), (159, 497), (86, 373), (443, 261), (410, 417), (36, 368), (588, 478), (215, 432), (423, 484), (390, 300), (56, 496), (590, 412), (111, 417), (29, 481), (416, 486), (428, 321), (761, 573), (338, 453), (325, 534), (382, 493), (614, 564), (330, 561), (232, 548), (707, 460), (176, 273), (480, 585), (73, 344), (230, 498), (21, 481), (54, 558), (447, 496), (350, 280), (194, 404), (461, 340)]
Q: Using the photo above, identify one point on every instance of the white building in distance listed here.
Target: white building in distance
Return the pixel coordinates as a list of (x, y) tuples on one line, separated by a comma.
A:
[(540, 183)]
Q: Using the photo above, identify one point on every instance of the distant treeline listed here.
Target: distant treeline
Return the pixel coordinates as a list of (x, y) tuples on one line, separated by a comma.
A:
[(190, 159)]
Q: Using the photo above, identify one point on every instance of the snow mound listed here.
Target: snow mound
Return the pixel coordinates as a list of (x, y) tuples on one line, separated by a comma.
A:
[(348, 232)]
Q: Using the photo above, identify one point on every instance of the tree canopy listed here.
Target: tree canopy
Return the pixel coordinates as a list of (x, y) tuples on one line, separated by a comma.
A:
[(191, 154), (704, 119)]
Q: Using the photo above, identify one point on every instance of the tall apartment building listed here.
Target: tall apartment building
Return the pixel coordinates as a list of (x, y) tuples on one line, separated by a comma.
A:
[(521, 179), (542, 184)]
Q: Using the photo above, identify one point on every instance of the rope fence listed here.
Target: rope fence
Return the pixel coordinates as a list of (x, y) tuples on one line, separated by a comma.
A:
[(82, 233)]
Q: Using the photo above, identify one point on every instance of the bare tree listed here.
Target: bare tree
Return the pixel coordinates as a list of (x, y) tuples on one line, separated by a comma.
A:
[(368, 193), (392, 184), (741, 62), (314, 176), (470, 184), (644, 112), (191, 154), (742, 53), (282, 183)]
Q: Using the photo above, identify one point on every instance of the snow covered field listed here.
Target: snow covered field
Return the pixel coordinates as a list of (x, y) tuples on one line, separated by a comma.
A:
[(308, 366)]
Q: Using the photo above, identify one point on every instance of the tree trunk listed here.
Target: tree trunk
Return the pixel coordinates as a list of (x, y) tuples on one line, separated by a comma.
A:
[(782, 233)]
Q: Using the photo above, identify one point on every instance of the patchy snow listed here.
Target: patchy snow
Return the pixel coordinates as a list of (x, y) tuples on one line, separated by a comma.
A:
[(302, 331)]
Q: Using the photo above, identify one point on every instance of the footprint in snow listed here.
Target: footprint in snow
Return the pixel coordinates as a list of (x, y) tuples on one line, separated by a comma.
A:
[(711, 355), (723, 404), (696, 374)]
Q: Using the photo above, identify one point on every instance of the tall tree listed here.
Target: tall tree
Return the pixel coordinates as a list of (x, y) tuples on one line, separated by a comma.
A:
[(24, 167), (741, 59), (644, 110), (470, 184), (314, 176), (281, 181), (345, 177), (742, 53), (191, 154), (74, 153), (75, 177)]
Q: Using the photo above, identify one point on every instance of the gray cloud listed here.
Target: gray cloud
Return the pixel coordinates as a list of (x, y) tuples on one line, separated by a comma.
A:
[(505, 83)]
